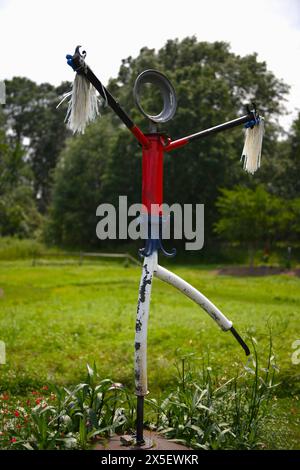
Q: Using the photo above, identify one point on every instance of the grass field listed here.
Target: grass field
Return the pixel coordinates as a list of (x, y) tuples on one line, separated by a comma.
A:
[(56, 318)]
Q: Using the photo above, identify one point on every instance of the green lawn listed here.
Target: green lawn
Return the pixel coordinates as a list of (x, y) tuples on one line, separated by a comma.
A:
[(56, 318)]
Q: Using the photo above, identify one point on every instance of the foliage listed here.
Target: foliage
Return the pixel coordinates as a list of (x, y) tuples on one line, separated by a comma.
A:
[(206, 415), (64, 418), (201, 413), (18, 212), (291, 180), (293, 231), (253, 217), (78, 188), (280, 173), (33, 123), (15, 248)]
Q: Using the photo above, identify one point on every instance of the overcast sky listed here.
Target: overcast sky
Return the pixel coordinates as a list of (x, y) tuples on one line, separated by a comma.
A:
[(36, 34)]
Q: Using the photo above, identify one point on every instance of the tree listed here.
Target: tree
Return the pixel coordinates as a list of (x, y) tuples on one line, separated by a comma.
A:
[(250, 217), (18, 213), (292, 169), (78, 188), (34, 123), (290, 221), (280, 172)]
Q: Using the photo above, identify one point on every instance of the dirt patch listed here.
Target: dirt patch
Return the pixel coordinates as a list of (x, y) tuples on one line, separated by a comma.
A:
[(256, 271)]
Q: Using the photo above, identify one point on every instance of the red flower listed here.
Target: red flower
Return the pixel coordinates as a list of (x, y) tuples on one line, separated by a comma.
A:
[(38, 401), (17, 414), (13, 439), (28, 403), (34, 393), (45, 387), (5, 396)]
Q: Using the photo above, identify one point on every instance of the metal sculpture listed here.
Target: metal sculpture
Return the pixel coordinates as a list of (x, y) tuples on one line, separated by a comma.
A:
[(82, 109)]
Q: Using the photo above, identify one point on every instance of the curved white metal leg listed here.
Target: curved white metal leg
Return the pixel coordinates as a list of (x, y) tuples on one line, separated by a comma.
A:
[(194, 294)]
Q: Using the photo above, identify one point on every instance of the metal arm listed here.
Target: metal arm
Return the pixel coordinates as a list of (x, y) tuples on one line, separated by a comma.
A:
[(212, 130), (78, 64)]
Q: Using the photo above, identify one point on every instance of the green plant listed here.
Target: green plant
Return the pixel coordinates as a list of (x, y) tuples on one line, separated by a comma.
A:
[(67, 418), (206, 414)]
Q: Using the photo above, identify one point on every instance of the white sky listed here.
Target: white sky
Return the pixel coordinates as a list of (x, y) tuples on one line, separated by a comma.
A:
[(35, 35)]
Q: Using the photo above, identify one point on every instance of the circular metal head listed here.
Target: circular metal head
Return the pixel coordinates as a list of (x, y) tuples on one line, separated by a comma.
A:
[(166, 90)]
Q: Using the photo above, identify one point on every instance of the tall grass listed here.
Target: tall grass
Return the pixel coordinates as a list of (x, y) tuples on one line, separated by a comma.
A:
[(14, 248), (205, 413)]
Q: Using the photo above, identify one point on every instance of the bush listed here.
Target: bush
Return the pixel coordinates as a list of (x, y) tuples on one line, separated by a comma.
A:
[(14, 248)]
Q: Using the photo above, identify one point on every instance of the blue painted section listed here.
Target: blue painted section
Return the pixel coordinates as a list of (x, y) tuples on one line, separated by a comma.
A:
[(69, 58), (155, 244), (252, 123)]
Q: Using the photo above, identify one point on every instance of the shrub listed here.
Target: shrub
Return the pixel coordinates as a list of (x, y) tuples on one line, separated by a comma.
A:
[(14, 248)]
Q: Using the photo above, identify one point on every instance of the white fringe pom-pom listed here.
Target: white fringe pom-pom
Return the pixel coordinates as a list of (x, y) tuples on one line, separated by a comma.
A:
[(83, 104), (253, 146)]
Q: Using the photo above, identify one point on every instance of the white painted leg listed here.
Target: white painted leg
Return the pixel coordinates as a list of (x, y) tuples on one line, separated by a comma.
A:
[(194, 294), (149, 266)]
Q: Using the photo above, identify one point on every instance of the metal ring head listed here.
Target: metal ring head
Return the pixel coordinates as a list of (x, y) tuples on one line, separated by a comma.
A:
[(167, 92)]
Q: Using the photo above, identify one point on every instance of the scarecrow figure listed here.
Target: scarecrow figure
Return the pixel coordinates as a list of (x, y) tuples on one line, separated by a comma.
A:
[(83, 108)]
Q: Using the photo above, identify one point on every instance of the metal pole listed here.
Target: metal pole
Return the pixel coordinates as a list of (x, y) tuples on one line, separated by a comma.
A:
[(206, 132), (79, 65), (140, 421)]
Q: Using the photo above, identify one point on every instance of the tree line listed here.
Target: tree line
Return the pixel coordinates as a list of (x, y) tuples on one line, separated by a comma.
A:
[(52, 182)]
